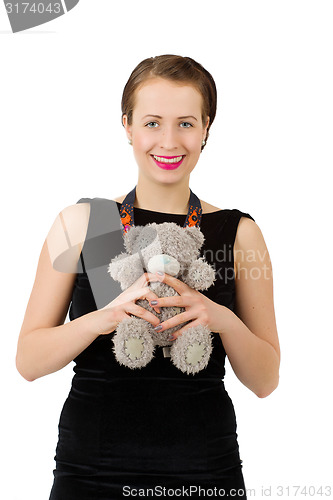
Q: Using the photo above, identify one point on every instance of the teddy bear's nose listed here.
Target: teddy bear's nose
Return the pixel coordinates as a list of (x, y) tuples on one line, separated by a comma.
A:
[(164, 263)]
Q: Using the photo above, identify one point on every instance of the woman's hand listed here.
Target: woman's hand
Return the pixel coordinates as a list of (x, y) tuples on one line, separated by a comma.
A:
[(198, 308), (106, 320)]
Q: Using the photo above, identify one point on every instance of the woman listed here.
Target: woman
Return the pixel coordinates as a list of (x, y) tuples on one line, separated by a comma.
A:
[(123, 430)]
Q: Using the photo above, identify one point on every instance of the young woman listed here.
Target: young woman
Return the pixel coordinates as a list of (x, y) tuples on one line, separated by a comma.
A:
[(121, 429)]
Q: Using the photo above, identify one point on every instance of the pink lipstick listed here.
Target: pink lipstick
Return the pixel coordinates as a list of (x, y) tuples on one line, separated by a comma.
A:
[(168, 166)]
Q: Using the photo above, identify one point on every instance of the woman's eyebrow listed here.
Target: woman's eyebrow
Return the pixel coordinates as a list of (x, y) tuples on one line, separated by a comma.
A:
[(179, 117)]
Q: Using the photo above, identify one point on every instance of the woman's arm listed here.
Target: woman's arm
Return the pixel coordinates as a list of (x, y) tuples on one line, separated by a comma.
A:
[(45, 344), (250, 335)]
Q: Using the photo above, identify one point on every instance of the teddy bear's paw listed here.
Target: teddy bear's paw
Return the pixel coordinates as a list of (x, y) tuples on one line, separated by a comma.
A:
[(133, 349), (191, 351), (200, 275)]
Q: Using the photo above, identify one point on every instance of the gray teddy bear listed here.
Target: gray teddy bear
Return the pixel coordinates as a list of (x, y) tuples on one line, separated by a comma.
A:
[(174, 250)]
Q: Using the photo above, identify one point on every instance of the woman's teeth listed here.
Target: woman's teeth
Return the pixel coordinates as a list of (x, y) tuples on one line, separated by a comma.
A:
[(168, 160)]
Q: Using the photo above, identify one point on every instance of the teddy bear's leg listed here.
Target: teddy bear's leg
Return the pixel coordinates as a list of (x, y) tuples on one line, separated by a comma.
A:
[(191, 351), (133, 345)]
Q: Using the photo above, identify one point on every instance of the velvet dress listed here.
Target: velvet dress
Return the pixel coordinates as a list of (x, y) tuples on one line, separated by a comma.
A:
[(155, 430)]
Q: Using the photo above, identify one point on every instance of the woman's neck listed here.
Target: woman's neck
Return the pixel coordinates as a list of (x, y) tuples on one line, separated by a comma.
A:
[(167, 198)]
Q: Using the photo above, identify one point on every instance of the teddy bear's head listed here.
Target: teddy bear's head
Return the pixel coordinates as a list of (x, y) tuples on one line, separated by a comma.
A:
[(167, 247)]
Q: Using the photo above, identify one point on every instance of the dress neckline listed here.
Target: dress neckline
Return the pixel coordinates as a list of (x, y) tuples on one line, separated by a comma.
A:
[(166, 213)]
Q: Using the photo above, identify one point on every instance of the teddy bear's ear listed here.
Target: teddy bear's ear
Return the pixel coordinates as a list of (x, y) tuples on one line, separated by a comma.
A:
[(140, 237), (196, 234), (130, 237)]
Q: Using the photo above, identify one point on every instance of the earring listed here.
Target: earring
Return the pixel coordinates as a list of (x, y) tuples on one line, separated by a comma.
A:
[(130, 142), (203, 142)]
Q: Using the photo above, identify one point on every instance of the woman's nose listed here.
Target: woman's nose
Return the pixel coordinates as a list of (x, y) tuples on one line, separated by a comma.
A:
[(168, 139)]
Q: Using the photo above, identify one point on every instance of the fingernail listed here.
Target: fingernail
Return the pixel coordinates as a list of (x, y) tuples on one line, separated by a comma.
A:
[(172, 337), (160, 273), (153, 302), (158, 328)]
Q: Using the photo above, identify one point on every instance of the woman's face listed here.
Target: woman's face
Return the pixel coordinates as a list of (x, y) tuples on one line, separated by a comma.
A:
[(166, 124)]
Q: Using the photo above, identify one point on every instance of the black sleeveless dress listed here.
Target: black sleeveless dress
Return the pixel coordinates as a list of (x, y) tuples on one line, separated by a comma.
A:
[(122, 431)]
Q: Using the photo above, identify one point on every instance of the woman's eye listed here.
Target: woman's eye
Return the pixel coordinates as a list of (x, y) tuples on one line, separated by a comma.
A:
[(147, 125), (155, 124)]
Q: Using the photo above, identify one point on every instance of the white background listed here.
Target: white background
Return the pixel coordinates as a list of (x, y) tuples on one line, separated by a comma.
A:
[(269, 154)]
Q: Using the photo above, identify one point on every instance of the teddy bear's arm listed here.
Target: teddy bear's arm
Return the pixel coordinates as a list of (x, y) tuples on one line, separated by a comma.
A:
[(200, 275), (126, 269)]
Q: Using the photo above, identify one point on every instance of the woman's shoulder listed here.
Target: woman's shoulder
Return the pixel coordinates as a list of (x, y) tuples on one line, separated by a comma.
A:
[(76, 218), (120, 199), (67, 235), (208, 208)]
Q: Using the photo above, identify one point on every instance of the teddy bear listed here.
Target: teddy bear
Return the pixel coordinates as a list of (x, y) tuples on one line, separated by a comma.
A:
[(174, 250)]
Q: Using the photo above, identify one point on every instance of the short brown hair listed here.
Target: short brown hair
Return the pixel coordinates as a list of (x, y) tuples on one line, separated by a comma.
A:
[(176, 68)]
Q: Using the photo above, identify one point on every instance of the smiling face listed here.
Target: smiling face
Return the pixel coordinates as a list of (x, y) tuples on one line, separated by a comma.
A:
[(167, 129)]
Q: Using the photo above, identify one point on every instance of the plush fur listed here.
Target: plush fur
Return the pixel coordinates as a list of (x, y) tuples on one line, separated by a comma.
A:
[(174, 250)]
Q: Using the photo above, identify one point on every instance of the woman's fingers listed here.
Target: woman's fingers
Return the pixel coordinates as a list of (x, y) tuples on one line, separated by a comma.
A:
[(151, 296), (175, 283), (136, 294), (138, 290), (121, 310), (142, 313), (144, 279), (176, 320), (148, 294), (178, 333), (172, 301)]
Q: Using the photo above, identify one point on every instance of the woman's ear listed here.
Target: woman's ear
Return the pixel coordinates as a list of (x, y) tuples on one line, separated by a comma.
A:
[(206, 126), (127, 127)]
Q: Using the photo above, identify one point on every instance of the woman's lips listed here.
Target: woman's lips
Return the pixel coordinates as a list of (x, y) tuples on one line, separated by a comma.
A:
[(168, 166)]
